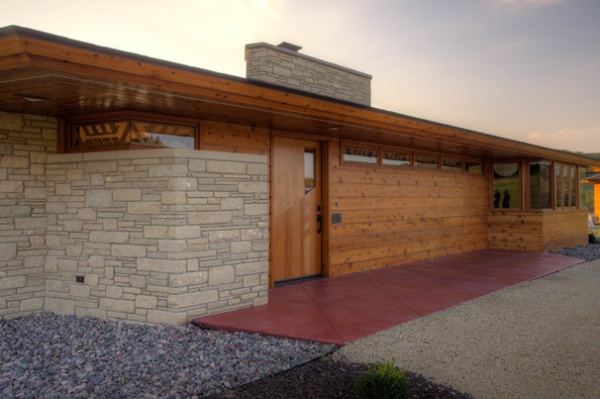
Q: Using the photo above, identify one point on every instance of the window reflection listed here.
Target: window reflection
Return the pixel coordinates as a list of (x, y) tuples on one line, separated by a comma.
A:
[(309, 169), (506, 186), (540, 190)]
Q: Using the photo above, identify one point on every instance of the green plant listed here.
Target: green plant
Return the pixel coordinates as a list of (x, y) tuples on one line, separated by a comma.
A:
[(383, 381)]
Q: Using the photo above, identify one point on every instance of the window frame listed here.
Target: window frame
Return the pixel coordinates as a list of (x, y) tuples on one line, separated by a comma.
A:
[(67, 124), (520, 165), (451, 158), (556, 181), (410, 165), (418, 168), (345, 145), (528, 182)]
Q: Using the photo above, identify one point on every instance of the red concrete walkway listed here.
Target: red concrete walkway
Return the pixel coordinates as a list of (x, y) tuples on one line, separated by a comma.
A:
[(342, 309)]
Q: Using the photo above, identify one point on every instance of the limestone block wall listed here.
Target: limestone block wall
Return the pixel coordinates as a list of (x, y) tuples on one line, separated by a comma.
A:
[(156, 236), (283, 65), (25, 141)]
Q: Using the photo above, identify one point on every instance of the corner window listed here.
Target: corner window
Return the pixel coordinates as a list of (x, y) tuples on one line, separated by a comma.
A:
[(138, 133), (507, 185)]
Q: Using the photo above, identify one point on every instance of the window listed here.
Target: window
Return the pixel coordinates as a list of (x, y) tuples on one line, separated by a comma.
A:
[(540, 189), (395, 158), (309, 169), (401, 158), (507, 185), (558, 184), (473, 167), (360, 155), (586, 192), (126, 133), (452, 165), (573, 182), (426, 161), (566, 186)]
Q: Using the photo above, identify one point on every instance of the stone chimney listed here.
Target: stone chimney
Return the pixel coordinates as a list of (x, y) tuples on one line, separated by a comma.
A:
[(283, 65)]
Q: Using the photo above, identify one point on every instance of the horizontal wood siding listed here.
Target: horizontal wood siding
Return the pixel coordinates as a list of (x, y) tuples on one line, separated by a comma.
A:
[(219, 136), (392, 217), (515, 231), (537, 231), (565, 229)]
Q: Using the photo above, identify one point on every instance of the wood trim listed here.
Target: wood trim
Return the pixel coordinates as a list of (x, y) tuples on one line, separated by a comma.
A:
[(54, 56)]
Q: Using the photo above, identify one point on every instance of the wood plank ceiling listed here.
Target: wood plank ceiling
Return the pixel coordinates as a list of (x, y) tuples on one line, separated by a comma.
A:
[(50, 75)]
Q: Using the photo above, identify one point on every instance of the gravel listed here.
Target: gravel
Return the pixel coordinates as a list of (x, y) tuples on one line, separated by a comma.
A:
[(586, 252), (537, 339), (51, 356)]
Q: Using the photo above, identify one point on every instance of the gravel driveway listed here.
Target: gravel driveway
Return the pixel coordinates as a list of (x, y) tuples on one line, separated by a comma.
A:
[(538, 339)]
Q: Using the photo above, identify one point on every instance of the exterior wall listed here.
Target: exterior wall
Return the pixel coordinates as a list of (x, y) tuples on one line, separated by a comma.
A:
[(25, 141), (392, 217), (537, 231), (288, 68), (227, 137), (158, 236)]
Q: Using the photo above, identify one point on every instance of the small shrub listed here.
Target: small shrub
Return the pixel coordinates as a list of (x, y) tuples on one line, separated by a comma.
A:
[(592, 238), (383, 381)]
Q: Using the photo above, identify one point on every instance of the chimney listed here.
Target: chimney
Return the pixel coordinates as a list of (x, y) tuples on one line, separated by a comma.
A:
[(283, 65)]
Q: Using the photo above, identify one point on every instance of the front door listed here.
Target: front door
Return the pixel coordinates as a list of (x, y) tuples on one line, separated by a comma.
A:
[(296, 209)]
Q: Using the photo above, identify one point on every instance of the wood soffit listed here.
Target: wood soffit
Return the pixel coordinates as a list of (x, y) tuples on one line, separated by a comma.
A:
[(50, 75)]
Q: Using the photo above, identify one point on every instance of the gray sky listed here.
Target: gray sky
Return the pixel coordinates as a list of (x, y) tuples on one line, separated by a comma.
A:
[(528, 70)]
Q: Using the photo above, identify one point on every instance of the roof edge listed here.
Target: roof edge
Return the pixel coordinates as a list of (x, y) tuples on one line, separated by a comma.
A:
[(499, 143)]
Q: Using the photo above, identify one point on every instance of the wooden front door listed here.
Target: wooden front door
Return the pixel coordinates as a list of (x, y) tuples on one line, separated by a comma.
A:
[(296, 209)]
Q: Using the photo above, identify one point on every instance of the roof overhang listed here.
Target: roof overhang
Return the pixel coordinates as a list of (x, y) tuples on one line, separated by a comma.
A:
[(50, 75)]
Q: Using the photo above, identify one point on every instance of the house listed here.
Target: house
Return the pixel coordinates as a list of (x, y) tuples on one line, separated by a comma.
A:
[(594, 179), (137, 189)]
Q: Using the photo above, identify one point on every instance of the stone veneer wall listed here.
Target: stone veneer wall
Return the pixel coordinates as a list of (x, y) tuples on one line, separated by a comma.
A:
[(285, 67), (158, 236), (25, 142)]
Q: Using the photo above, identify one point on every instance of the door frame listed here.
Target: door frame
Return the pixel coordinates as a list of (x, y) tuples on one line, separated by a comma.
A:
[(325, 214)]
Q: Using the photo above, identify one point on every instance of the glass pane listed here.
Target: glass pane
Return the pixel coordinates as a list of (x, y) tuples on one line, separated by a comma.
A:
[(565, 187), (586, 192), (506, 186), (539, 185), (473, 167), (558, 183), (150, 134), (395, 158), (309, 170), (124, 133), (573, 182), (362, 155), (426, 161), (454, 165), (102, 134)]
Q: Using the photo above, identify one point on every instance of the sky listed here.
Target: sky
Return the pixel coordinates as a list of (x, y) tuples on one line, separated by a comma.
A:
[(527, 70)]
